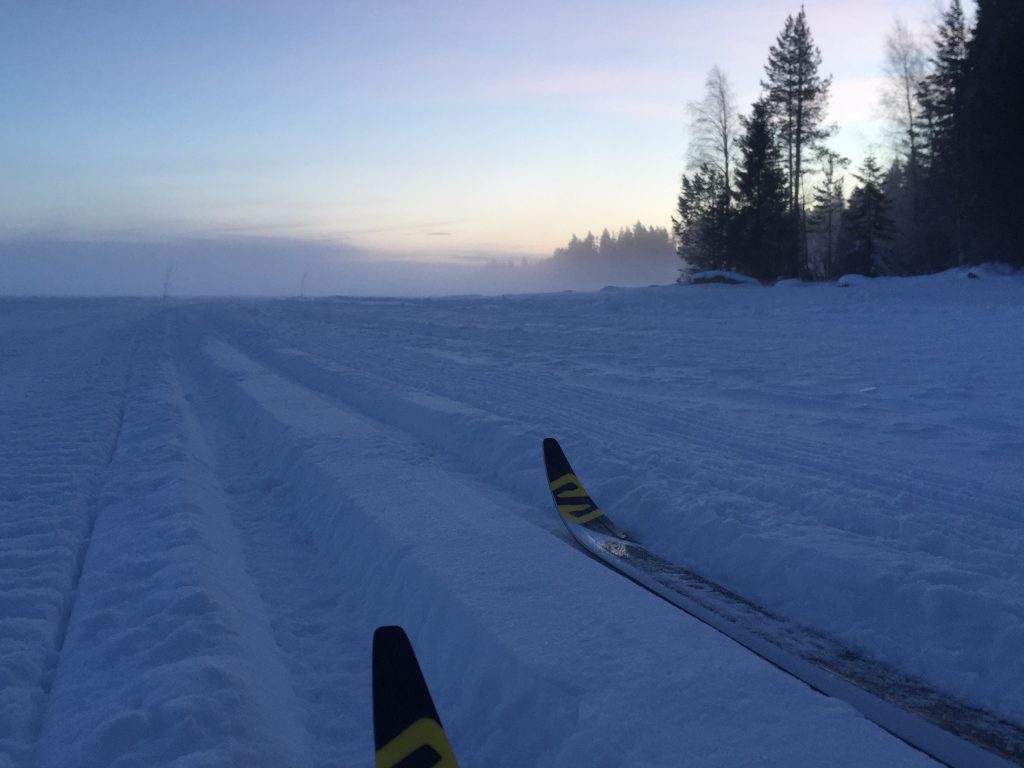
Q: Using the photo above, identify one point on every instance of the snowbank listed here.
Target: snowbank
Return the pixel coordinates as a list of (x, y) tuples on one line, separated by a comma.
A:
[(721, 276)]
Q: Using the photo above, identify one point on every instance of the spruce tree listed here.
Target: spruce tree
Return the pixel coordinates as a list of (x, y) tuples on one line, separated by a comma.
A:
[(701, 223), (867, 221), (993, 115), (941, 98), (826, 215), (940, 91), (761, 235)]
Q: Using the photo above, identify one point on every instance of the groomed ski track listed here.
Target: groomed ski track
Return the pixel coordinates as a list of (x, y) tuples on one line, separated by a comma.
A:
[(273, 494)]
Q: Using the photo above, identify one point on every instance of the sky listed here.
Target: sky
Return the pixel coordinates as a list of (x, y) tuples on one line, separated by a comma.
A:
[(445, 129)]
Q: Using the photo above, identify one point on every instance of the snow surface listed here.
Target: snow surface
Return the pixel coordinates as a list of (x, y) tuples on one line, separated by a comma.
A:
[(206, 508), (721, 276)]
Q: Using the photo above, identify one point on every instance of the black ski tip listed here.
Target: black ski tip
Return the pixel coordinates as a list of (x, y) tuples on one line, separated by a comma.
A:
[(555, 461), (406, 728), (572, 501)]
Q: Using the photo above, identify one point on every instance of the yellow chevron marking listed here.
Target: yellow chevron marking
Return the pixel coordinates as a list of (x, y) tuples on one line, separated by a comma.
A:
[(566, 479), (568, 487), (425, 732)]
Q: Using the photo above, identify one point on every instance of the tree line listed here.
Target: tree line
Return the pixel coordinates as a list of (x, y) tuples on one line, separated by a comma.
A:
[(764, 194), (631, 244)]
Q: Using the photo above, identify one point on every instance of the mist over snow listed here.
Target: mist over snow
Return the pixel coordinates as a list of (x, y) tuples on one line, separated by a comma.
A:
[(257, 266)]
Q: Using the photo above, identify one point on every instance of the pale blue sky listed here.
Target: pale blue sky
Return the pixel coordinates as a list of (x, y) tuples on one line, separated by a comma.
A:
[(435, 127)]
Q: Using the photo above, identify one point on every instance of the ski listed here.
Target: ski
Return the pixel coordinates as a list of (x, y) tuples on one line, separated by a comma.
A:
[(949, 731), (406, 728)]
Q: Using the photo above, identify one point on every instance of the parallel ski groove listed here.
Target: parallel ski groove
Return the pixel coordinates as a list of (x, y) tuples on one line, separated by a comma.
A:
[(694, 422), (701, 431), (82, 555), (935, 489)]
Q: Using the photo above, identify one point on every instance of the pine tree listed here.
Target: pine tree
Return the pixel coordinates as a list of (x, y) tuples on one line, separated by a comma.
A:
[(867, 221), (798, 97), (761, 234)]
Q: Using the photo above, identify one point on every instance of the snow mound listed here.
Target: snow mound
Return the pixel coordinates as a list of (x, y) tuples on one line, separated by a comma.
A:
[(849, 281), (721, 276)]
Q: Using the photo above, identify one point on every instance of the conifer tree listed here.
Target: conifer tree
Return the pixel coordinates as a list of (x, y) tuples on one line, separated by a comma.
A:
[(867, 220), (761, 234), (798, 97), (826, 215), (701, 223), (940, 90), (993, 115), (940, 95)]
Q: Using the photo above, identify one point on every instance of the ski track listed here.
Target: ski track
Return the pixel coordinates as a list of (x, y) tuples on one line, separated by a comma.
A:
[(868, 500), (52, 363), (167, 643), (191, 555), (807, 454), (319, 626), (475, 640)]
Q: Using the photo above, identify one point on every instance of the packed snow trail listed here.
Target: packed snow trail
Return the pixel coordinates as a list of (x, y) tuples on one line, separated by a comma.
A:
[(64, 372), (848, 459), (568, 639), (319, 624), (168, 655), (252, 487)]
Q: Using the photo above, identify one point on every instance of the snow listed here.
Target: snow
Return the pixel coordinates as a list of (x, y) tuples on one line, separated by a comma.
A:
[(851, 281), (207, 506), (721, 276)]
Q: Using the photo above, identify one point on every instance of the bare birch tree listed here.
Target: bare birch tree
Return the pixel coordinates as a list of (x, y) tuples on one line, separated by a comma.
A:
[(905, 71), (714, 121)]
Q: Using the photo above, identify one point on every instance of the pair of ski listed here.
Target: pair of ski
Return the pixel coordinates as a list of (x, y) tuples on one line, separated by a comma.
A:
[(406, 727), (408, 731)]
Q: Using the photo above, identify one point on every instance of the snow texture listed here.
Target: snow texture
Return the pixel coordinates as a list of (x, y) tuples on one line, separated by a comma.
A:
[(721, 276), (206, 508)]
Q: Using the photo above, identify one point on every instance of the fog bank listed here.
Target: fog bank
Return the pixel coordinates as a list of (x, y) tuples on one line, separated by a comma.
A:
[(280, 267)]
